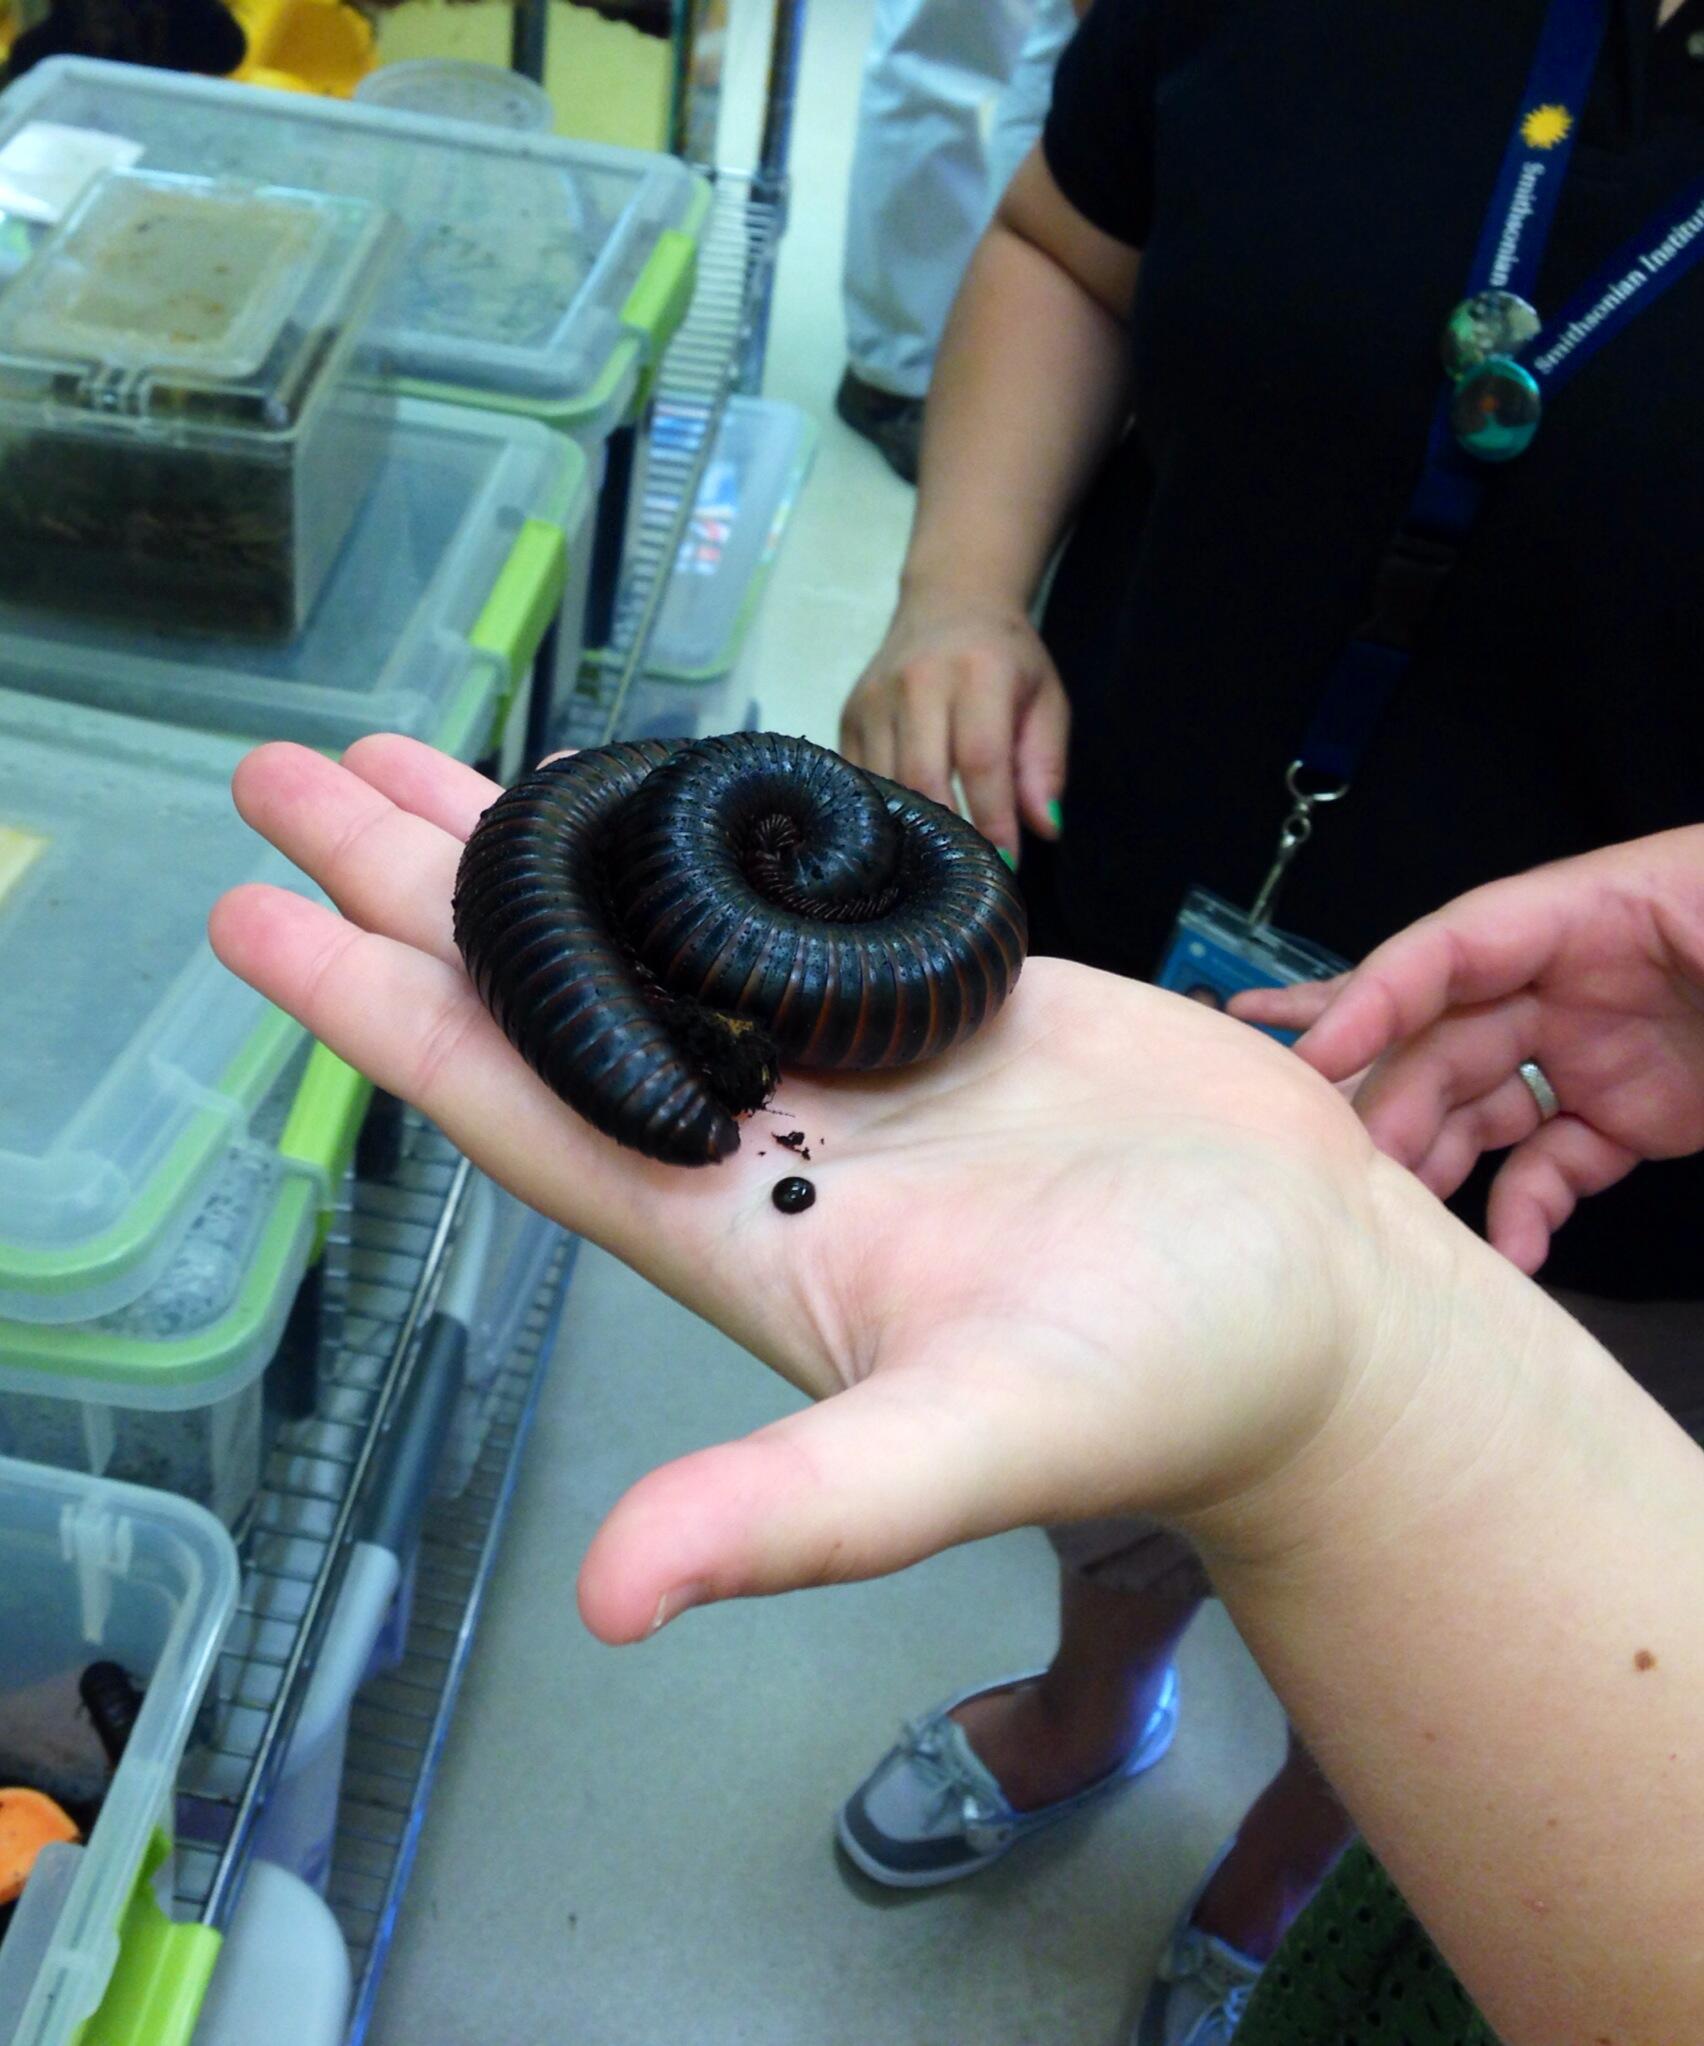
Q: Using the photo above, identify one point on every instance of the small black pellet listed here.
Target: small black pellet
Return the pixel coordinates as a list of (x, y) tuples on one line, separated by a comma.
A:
[(793, 1196)]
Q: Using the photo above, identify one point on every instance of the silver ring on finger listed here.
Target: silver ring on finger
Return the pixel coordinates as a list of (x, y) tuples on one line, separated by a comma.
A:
[(1539, 1087)]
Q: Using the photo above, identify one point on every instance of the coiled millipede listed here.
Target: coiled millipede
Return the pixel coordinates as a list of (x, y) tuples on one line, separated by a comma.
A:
[(659, 927)]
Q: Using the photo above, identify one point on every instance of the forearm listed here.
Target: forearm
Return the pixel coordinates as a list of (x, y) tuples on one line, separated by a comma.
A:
[(1486, 1616), (1030, 390)]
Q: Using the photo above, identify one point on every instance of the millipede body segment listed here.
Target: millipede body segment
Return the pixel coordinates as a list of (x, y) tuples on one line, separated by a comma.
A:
[(659, 927)]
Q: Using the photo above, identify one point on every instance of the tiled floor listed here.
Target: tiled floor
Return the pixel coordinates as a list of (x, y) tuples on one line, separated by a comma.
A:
[(633, 1847)]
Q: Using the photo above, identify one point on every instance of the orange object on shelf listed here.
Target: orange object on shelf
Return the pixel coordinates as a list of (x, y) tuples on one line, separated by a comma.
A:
[(29, 1821), (318, 46)]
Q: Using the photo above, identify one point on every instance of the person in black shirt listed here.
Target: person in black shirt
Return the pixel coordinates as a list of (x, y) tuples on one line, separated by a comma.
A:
[(1202, 334)]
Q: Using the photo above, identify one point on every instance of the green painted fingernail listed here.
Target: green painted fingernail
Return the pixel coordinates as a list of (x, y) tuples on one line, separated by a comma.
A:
[(1055, 815), (1010, 858)]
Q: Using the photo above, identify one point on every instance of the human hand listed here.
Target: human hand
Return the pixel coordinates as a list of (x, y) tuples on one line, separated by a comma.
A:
[(1113, 1251), (1593, 967), (964, 686)]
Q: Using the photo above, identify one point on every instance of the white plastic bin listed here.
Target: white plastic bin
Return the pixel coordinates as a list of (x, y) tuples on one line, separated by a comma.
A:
[(474, 526), (694, 684), (89, 1572), (283, 1976)]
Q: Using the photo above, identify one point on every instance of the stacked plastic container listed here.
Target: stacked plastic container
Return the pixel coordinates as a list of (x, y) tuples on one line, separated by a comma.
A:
[(211, 522), (94, 1572), (451, 570), (152, 1229), (539, 276), (693, 684)]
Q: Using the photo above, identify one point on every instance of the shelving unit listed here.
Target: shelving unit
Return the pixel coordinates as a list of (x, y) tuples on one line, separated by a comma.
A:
[(718, 351), (386, 1258)]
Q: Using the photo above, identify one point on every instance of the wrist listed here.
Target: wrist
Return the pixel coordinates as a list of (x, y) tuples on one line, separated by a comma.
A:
[(1443, 1348), (964, 583)]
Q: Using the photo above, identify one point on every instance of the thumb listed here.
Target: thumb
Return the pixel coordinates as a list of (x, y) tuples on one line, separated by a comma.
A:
[(865, 1483)]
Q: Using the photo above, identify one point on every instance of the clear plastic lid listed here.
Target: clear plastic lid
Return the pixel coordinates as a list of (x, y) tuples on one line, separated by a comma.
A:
[(131, 1059), (391, 643), (183, 304), (92, 1571), (759, 463), (452, 89), (533, 265)]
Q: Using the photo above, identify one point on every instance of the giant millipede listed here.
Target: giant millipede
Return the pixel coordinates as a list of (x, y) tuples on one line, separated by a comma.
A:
[(658, 927)]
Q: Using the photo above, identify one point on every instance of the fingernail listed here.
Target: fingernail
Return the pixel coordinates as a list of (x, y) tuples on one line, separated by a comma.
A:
[(1008, 856), (1056, 815), (673, 1603)]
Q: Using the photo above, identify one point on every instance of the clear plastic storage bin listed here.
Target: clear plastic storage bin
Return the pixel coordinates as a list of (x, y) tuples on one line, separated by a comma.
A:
[(181, 438), (133, 1060), (540, 275), (168, 1390), (473, 528), (97, 1572), (694, 685)]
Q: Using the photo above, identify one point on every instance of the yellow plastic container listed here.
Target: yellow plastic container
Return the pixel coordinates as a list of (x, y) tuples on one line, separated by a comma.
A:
[(318, 46)]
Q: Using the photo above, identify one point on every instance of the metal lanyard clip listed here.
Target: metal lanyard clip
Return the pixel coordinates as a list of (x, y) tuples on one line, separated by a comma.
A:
[(1294, 833)]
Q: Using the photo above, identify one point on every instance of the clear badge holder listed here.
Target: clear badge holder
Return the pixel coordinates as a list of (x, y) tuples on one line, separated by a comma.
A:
[(1215, 951)]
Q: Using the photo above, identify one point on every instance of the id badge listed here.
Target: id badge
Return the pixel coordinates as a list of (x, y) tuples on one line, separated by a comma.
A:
[(1214, 952)]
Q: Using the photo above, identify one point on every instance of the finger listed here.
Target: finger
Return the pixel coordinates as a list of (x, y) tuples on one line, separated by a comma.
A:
[(421, 779), (1544, 1180), (924, 761), (1286, 1008), (414, 1026), (385, 868), (877, 748), (1044, 731), (1411, 1091), (1494, 1122), (982, 735), (866, 1483), (1485, 946)]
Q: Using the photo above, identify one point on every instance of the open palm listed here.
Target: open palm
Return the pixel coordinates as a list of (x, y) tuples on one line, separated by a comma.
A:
[(1593, 967), (1084, 1262)]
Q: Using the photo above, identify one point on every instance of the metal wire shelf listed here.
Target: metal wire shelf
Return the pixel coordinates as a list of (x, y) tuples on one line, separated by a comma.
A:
[(718, 351), (382, 1263), (384, 1259), (401, 1721)]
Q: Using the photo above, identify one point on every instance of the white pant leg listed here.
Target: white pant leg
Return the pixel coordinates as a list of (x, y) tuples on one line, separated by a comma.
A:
[(1023, 105), (918, 197)]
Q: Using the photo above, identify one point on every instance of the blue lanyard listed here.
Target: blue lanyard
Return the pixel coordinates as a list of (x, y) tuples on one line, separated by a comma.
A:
[(1506, 366)]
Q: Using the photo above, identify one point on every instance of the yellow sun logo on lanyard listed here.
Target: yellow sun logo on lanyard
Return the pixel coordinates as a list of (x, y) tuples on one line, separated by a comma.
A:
[(1545, 126)]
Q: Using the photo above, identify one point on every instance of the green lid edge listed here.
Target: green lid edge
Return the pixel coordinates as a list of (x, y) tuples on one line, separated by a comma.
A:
[(128, 1241), (159, 1981)]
